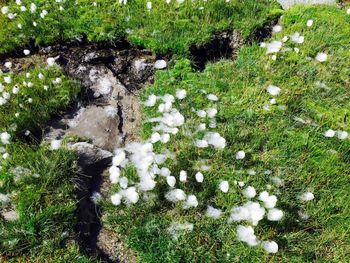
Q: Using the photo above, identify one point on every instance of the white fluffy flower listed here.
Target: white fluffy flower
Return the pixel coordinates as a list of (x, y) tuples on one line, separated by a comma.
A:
[(151, 101), (183, 176), (274, 214), (191, 201), (273, 47), (224, 186), (270, 246), (329, 133), (119, 157), (213, 212), (321, 57), (309, 22), (342, 135), (175, 195), (201, 143), (171, 181), (5, 138), (181, 94), (116, 199), (251, 212), (273, 90), (308, 196), (212, 97), (26, 52), (55, 144), (249, 192), (246, 234), (240, 155), (149, 5), (199, 177), (114, 174), (268, 200), (50, 61), (5, 10), (161, 63)]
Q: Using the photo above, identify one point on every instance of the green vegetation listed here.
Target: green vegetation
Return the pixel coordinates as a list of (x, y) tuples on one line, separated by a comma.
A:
[(41, 93), (287, 139), (166, 26), (40, 185)]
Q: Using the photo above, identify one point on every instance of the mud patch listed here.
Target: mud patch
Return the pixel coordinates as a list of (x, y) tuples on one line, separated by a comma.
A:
[(221, 45)]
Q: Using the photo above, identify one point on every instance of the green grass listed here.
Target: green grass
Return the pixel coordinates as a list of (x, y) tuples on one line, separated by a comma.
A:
[(166, 27), (43, 196), (24, 114), (41, 188), (273, 140)]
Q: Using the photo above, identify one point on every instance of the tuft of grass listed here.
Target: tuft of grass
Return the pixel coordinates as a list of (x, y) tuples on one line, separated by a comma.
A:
[(40, 185), (35, 103), (273, 139), (165, 27)]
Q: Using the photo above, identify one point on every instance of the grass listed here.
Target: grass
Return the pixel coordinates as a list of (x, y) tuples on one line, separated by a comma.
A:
[(41, 188), (273, 140), (165, 27), (38, 181), (34, 104)]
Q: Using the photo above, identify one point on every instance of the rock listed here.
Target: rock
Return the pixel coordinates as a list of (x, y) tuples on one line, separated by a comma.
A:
[(97, 124), (89, 154), (160, 64), (289, 3)]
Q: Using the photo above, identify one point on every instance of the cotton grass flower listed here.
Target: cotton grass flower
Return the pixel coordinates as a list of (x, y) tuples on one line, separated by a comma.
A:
[(190, 202), (246, 234), (309, 23), (183, 176), (199, 177), (273, 90), (5, 138), (175, 195), (213, 212), (274, 214), (329, 133), (305, 197), (224, 186), (270, 246), (321, 57), (240, 155), (273, 47), (249, 192), (251, 212)]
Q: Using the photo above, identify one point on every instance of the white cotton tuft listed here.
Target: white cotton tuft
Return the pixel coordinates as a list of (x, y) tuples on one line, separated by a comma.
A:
[(211, 112), (151, 101), (191, 201), (114, 174), (215, 139), (201, 113), (131, 195), (270, 246), (224, 186), (321, 57), (165, 172), (26, 52), (308, 196), (268, 200), (161, 63), (119, 157), (273, 47), (155, 137), (329, 133), (277, 28), (240, 155), (213, 212), (273, 90), (55, 144), (171, 181), (201, 143), (175, 195), (342, 135), (274, 214), (251, 212), (116, 199), (183, 176), (50, 61), (5, 138), (246, 234), (165, 138), (199, 177), (212, 97), (4, 199), (249, 192), (309, 23), (123, 182), (181, 94), (297, 38), (348, 11)]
